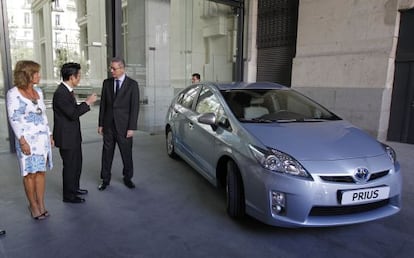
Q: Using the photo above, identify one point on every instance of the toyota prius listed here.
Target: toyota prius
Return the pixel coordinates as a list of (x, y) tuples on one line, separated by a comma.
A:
[(282, 158)]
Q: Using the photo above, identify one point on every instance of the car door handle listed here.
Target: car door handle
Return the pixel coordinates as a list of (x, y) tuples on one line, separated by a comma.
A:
[(190, 125)]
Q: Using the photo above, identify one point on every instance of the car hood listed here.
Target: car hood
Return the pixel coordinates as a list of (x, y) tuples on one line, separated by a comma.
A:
[(331, 140)]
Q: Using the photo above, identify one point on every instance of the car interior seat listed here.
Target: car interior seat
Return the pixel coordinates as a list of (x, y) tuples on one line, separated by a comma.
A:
[(256, 109), (271, 102)]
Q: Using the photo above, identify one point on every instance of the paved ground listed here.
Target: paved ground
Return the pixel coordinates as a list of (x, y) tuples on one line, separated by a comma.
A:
[(174, 212)]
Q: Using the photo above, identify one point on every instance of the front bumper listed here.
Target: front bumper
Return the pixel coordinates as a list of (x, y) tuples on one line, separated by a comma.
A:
[(316, 203)]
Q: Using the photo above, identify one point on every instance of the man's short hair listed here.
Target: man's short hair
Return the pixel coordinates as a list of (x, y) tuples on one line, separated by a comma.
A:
[(69, 69), (197, 75), (118, 60)]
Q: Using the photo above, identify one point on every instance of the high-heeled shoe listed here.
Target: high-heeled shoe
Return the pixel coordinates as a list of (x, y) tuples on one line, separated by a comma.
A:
[(40, 217)]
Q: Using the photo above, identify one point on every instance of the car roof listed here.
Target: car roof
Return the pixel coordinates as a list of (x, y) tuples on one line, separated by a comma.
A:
[(248, 85)]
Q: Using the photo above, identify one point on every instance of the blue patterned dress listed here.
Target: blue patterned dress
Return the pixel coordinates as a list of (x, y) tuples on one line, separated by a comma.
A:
[(29, 119)]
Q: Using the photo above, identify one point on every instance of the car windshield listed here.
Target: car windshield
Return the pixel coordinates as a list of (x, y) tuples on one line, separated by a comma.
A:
[(274, 105)]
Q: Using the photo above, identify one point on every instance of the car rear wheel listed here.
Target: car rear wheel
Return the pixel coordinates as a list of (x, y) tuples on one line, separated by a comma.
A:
[(170, 144), (234, 191)]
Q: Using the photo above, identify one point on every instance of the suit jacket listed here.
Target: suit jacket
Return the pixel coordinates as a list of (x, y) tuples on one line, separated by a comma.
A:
[(66, 113), (120, 111)]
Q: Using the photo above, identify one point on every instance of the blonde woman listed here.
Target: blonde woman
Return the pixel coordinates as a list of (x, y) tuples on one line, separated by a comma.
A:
[(27, 116)]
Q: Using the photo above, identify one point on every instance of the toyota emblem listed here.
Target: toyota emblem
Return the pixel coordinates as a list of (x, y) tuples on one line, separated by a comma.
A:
[(361, 175)]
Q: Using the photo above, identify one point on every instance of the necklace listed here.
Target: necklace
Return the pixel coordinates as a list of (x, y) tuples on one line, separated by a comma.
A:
[(32, 95)]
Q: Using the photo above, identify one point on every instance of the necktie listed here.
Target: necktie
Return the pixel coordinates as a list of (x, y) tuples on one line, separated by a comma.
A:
[(117, 87), (73, 96)]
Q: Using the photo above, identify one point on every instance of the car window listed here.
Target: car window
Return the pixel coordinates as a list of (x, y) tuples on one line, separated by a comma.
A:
[(274, 105), (209, 103), (294, 104), (186, 98), (303, 107)]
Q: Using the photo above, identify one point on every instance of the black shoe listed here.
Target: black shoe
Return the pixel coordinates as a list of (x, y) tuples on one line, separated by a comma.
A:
[(102, 186), (82, 191), (2, 232), (77, 199), (129, 183)]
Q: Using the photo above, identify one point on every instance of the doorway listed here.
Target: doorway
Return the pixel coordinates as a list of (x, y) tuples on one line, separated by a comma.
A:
[(276, 40), (401, 123)]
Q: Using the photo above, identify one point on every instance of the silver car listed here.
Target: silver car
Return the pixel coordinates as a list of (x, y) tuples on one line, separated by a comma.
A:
[(282, 158)]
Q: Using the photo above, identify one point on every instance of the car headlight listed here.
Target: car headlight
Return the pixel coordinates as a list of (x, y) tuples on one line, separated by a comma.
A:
[(278, 161), (390, 152)]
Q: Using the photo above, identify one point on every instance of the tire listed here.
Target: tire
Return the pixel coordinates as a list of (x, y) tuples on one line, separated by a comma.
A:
[(169, 140), (234, 192)]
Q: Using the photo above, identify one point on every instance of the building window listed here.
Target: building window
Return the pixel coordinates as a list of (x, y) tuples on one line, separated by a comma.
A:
[(26, 18), (57, 20), (57, 40)]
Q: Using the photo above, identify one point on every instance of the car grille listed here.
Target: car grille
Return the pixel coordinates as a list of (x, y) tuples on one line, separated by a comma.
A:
[(343, 210), (350, 179)]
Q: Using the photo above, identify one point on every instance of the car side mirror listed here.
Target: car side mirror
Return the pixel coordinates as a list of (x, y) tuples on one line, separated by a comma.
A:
[(208, 119)]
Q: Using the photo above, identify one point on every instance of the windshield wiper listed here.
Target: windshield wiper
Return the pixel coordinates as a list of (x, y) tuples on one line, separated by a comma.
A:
[(289, 120), (302, 120), (256, 120), (314, 120), (292, 120)]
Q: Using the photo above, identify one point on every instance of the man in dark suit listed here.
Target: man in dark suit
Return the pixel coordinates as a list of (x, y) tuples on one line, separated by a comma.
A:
[(118, 118), (67, 132)]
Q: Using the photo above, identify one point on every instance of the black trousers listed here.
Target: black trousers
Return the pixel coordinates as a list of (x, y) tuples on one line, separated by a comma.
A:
[(72, 168), (110, 139)]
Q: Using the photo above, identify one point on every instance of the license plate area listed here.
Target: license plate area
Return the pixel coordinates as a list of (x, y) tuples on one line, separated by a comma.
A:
[(364, 195)]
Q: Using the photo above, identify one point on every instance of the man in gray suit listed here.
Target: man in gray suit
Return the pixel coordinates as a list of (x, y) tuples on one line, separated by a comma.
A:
[(118, 118)]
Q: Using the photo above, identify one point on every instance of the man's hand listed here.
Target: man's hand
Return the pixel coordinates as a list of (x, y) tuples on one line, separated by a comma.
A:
[(91, 99), (52, 141), (130, 133), (100, 130)]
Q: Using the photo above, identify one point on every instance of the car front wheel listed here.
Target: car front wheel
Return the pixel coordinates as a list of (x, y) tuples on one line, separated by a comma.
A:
[(234, 191), (170, 144)]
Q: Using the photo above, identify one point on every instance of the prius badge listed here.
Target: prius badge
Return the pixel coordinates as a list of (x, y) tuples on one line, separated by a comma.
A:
[(361, 175)]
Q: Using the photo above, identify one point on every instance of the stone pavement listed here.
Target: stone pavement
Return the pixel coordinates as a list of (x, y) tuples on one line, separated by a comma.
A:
[(174, 212)]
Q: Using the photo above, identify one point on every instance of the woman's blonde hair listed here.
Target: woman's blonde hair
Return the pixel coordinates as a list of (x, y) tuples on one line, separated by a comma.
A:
[(23, 72)]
